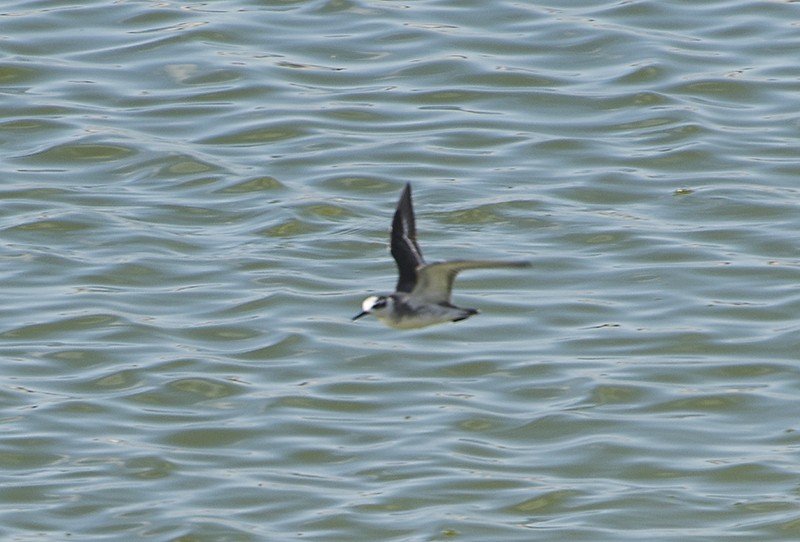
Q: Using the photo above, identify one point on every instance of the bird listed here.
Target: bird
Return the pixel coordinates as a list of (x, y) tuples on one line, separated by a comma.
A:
[(422, 294)]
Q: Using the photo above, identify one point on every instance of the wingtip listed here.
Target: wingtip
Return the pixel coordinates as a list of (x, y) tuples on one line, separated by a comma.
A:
[(405, 198)]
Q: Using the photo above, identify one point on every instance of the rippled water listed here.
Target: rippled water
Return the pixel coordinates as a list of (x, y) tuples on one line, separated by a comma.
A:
[(196, 197)]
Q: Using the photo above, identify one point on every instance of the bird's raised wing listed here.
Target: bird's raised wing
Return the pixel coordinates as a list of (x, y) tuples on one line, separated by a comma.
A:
[(405, 251), (435, 281)]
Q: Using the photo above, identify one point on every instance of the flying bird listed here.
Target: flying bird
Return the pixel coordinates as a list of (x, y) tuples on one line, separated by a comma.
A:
[(422, 294)]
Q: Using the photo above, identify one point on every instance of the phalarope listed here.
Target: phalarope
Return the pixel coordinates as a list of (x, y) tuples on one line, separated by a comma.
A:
[(422, 294)]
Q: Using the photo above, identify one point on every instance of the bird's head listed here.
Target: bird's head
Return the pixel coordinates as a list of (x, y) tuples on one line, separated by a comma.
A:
[(379, 306)]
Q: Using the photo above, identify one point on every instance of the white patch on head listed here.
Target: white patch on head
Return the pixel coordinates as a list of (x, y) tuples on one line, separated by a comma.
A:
[(368, 303)]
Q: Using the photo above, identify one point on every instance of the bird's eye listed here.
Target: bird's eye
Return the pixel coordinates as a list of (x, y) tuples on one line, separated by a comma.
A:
[(380, 304)]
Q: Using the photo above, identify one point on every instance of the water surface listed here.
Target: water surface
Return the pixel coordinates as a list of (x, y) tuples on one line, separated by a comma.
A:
[(196, 197)]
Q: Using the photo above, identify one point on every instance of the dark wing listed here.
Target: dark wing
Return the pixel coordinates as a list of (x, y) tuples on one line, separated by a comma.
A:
[(436, 280), (405, 251)]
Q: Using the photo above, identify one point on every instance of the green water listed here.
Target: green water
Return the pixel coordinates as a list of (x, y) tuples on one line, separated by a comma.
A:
[(196, 197)]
